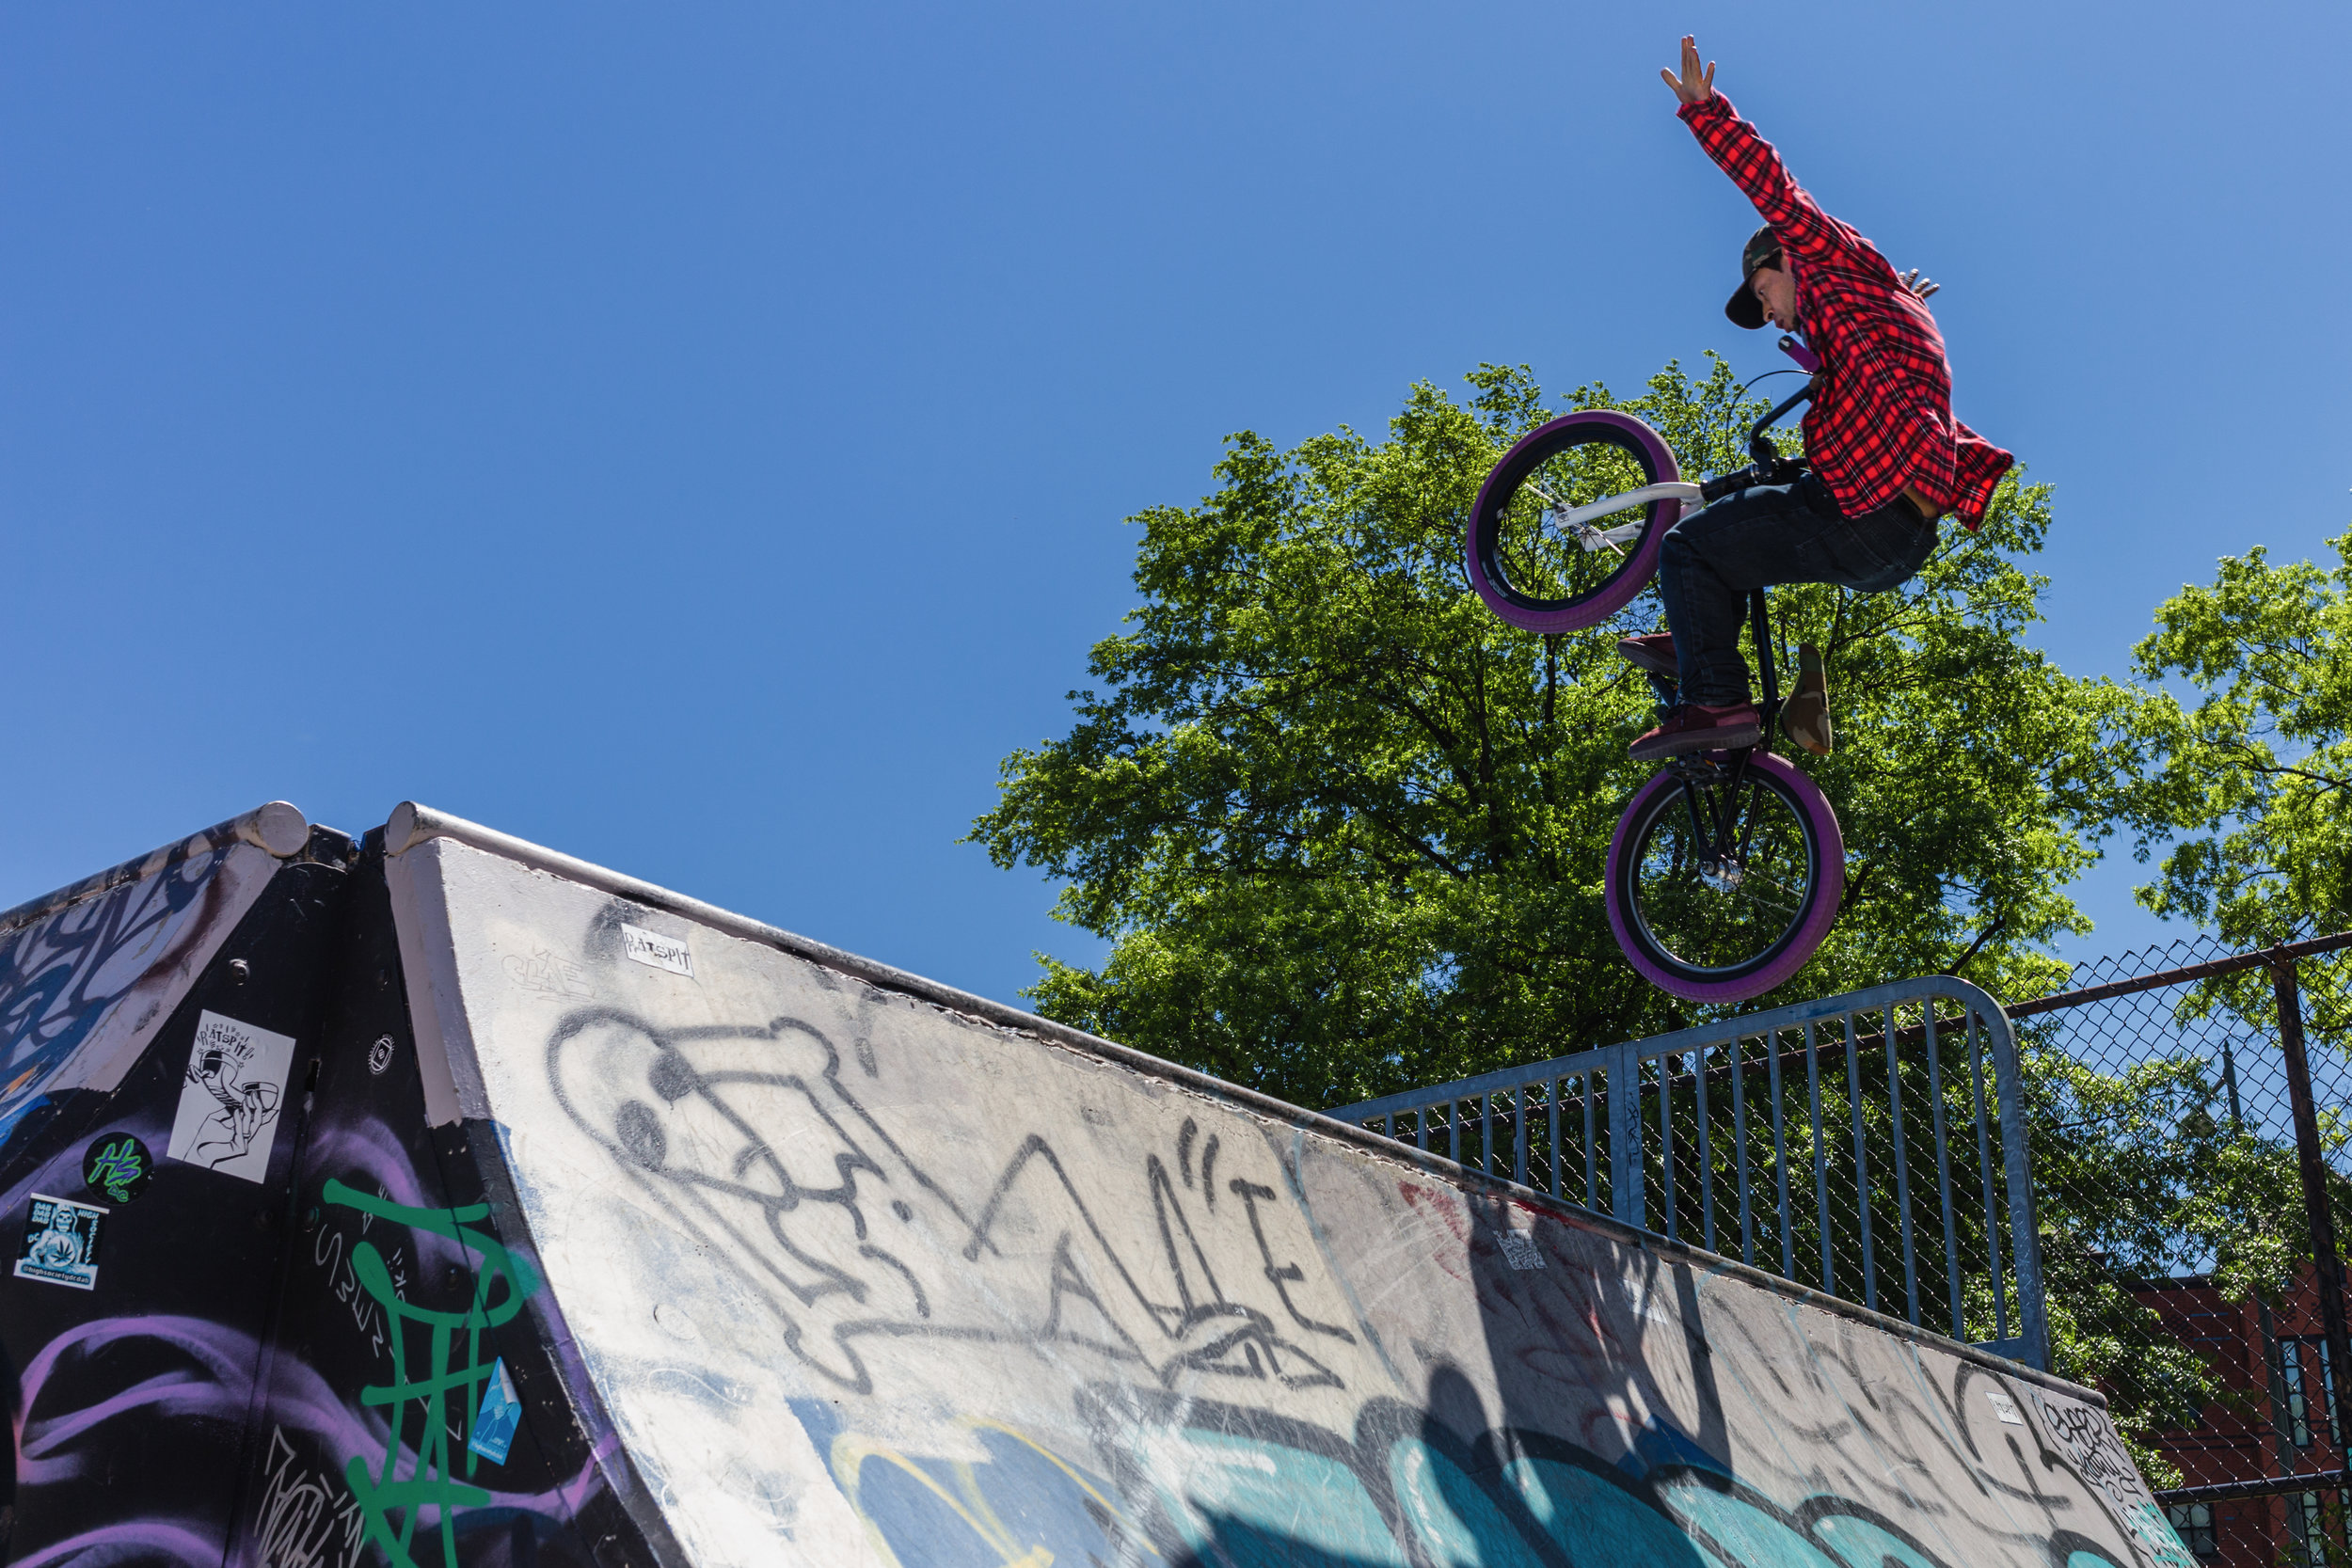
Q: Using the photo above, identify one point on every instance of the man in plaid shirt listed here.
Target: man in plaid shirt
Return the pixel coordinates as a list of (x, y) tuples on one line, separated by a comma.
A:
[(1889, 460)]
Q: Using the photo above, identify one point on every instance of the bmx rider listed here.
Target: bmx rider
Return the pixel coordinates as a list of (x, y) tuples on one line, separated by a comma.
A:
[(1888, 461)]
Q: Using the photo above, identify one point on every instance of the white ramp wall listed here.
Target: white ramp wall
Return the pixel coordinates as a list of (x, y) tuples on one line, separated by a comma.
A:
[(862, 1279)]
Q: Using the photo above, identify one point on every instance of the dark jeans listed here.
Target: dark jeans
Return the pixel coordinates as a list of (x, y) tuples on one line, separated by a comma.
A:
[(1710, 561)]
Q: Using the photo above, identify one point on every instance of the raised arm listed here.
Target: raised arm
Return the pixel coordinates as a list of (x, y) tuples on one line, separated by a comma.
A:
[(1751, 162)]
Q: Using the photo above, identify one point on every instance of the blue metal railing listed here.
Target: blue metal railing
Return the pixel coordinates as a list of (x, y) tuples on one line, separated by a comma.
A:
[(1668, 1134)]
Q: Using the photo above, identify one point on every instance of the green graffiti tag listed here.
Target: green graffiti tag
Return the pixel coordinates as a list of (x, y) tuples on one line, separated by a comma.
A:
[(430, 1483)]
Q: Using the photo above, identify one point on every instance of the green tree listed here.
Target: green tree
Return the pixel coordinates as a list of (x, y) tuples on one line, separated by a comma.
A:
[(2252, 777), (2259, 770), (1344, 828)]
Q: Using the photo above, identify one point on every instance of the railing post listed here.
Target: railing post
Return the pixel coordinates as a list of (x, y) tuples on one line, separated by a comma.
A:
[(2024, 1236), (2326, 1261), (1626, 1199)]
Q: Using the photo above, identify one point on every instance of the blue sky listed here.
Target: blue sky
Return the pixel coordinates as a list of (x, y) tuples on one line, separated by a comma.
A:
[(697, 437)]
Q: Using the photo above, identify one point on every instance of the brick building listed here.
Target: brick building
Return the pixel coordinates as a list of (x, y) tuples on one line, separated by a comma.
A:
[(2274, 1422)]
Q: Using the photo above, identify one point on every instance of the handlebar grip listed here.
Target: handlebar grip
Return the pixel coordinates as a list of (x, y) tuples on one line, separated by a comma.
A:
[(1783, 471), (1795, 349)]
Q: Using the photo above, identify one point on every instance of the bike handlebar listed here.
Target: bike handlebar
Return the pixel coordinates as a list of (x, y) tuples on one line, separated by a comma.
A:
[(1766, 465)]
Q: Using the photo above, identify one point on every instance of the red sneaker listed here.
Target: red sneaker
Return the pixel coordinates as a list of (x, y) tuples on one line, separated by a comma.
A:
[(1654, 652), (1694, 728)]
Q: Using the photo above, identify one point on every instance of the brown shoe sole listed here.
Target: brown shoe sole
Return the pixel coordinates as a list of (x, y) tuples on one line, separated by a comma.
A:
[(1723, 738), (1644, 659), (1807, 720), (1806, 716)]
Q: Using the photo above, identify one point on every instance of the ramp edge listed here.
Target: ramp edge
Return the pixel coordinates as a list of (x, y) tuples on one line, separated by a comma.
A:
[(275, 826)]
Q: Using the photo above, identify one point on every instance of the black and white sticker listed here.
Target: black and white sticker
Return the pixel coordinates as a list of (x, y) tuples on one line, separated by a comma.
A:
[(60, 1243), (657, 951), (230, 1096), (1519, 1249), (2005, 1407)]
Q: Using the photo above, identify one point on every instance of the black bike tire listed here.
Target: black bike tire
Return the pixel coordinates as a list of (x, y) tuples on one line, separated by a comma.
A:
[(1762, 971)]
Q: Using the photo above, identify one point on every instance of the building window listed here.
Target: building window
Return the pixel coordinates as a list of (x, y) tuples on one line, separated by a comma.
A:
[(2307, 1536), (2194, 1524), (2305, 1378)]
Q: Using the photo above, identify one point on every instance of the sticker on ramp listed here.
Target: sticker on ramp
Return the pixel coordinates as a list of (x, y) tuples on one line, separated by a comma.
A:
[(494, 1424), (657, 951), (229, 1098), (60, 1243), (117, 1167), (1519, 1249), (2005, 1407)]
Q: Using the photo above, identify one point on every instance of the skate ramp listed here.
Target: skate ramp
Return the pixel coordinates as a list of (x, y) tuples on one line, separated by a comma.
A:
[(502, 1212), (134, 1315), (863, 1272)]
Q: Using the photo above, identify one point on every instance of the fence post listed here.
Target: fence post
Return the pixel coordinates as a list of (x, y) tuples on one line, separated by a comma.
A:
[(2024, 1225), (1626, 1165), (2326, 1261)]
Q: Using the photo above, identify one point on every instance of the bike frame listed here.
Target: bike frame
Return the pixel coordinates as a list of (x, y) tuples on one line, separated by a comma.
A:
[(1766, 467)]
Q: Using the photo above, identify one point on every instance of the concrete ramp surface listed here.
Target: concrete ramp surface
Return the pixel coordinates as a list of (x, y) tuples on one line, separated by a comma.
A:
[(619, 1230)]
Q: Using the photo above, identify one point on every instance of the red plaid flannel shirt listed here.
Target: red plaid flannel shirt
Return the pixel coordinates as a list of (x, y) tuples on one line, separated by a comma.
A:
[(1882, 413)]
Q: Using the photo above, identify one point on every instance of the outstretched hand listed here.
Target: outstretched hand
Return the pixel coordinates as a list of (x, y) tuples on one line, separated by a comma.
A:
[(1696, 85)]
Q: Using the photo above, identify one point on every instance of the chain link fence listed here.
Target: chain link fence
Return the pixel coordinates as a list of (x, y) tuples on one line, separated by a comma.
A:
[(2189, 1227)]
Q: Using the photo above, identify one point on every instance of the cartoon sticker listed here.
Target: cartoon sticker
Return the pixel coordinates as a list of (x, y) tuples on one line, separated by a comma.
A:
[(654, 949), (228, 1103), (117, 1168), (60, 1243), (494, 1424)]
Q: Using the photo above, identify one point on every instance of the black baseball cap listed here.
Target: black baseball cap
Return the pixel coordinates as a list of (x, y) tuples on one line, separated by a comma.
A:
[(1762, 250)]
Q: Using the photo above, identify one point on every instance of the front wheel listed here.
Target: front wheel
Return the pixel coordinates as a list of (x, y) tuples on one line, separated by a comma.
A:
[(1709, 928), (1567, 526)]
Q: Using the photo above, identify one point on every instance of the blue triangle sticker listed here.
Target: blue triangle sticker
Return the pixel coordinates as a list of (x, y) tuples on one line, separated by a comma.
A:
[(494, 1424)]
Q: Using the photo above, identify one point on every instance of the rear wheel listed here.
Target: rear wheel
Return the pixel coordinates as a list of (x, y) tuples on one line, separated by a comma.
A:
[(1713, 929), (1545, 577)]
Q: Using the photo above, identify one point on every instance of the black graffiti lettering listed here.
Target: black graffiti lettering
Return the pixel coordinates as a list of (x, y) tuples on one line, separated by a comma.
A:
[(1282, 1276)]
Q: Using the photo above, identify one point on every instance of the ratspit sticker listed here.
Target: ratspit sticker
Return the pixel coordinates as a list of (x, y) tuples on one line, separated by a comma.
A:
[(117, 1167), (228, 1103), (652, 948), (2005, 1407), (60, 1243), (494, 1424)]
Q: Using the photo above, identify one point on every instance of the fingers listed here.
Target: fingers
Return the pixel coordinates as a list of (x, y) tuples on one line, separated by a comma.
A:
[(1698, 82)]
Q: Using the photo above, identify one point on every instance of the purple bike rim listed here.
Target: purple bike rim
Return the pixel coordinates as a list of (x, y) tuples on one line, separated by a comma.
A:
[(1619, 430), (1829, 847)]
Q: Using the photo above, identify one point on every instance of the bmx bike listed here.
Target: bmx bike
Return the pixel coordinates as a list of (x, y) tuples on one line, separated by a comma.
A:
[(1727, 867)]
